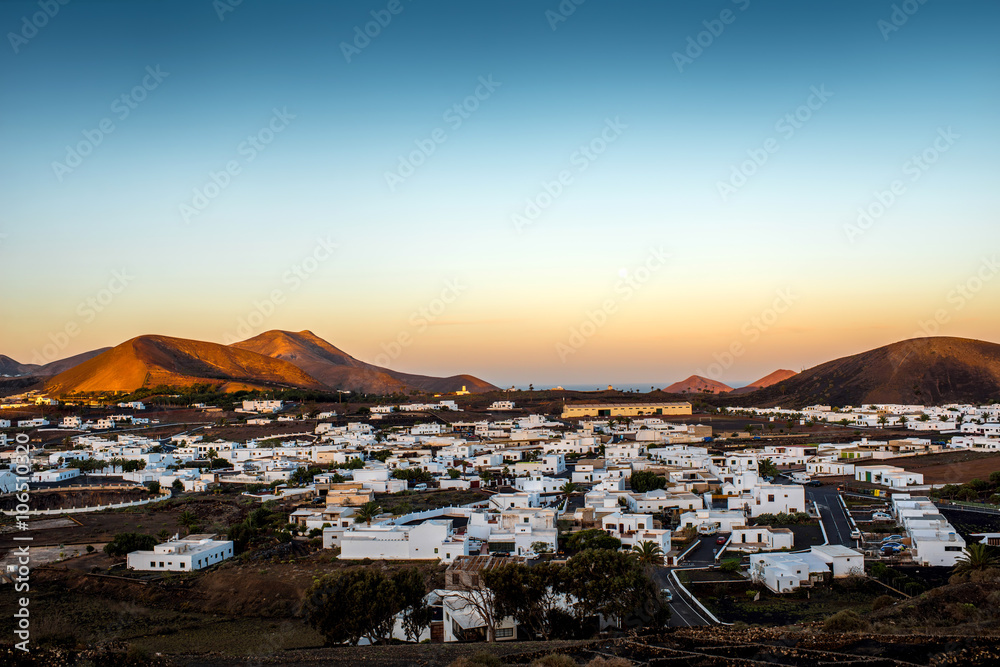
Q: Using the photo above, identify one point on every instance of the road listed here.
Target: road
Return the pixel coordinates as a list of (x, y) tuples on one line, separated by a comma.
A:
[(832, 514), (682, 613)]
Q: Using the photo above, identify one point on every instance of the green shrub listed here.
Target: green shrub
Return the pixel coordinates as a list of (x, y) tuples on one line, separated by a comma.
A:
[(883, 601), (847, 620), (554, 660)]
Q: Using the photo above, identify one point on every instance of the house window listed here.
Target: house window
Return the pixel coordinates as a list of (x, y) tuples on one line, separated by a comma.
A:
[(504, 632), (953, 548), (435, 549), (182, 566), (770, 498)]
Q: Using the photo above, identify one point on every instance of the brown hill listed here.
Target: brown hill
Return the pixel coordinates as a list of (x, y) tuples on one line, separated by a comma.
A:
[(148, 361), (766, 381), (930, 371), (697, 384), (56, 367), (12, 368), (339, 370)]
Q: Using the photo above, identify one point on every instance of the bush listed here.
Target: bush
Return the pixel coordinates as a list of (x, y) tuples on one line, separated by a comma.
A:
[(554, 660), (883, 601), (730, 565), (847, 620), (126, 543)]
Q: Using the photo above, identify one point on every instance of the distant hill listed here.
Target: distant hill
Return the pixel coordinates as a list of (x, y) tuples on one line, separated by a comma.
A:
[(56, 367), (148, 361), (766, 381), (339, 370), (697, 384), (12, 368), (929, 371)]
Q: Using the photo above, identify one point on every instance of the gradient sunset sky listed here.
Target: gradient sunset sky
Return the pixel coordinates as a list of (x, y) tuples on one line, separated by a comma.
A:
[(658, 269)]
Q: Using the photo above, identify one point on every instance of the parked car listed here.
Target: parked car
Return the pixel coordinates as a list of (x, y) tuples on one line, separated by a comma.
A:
[(891, 549), (881, 516), (768, 479), (667, 595), (814, 482), (721, 539), (855, 534), (892, 538), (893, 545)]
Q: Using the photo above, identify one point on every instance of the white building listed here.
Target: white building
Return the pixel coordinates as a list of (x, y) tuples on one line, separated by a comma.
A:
[(194, 552), (59, 475), (760, 538), (501, 405), (262, 406), (771, 499), (786, 572), (428, 540), (891, 476)]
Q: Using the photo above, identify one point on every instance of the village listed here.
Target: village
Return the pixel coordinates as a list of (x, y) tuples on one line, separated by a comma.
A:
[(653, 478)]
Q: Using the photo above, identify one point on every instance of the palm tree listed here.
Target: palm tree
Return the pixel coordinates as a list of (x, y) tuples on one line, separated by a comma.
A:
[(367, 512), (648, 554), (188, 520), (568, 488), (978, 556)]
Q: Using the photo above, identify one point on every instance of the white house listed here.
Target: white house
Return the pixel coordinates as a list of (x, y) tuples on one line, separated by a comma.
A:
[(721, 520), (58, 475), (786, 572), (71, 422), (891, 476), (262, 406), (194, 552), (428, 540), (760, 538), (771, 499), (501, 405)]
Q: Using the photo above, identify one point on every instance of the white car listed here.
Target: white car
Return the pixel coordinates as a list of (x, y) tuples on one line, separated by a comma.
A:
[(667, 595), (881, 516)]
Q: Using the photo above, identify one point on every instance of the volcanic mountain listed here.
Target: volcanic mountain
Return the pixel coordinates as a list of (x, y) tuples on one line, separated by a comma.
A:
[(929, 371), (697, 384), (10, 367), (339, 370), (766, 381), (148, 361)]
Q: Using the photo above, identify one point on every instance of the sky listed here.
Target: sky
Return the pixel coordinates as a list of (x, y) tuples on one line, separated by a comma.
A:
[(531, 192)]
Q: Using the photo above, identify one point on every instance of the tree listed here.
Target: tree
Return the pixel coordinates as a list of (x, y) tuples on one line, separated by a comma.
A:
[(154, 486), (977, 557), (648, 554), (529, 594), (177, 486), (125, 543), (767, 468), (367, 512), (642, 481), (362, 604), (612, 584), (592, 538), (454, 474), (569, 488), (188, 519)]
